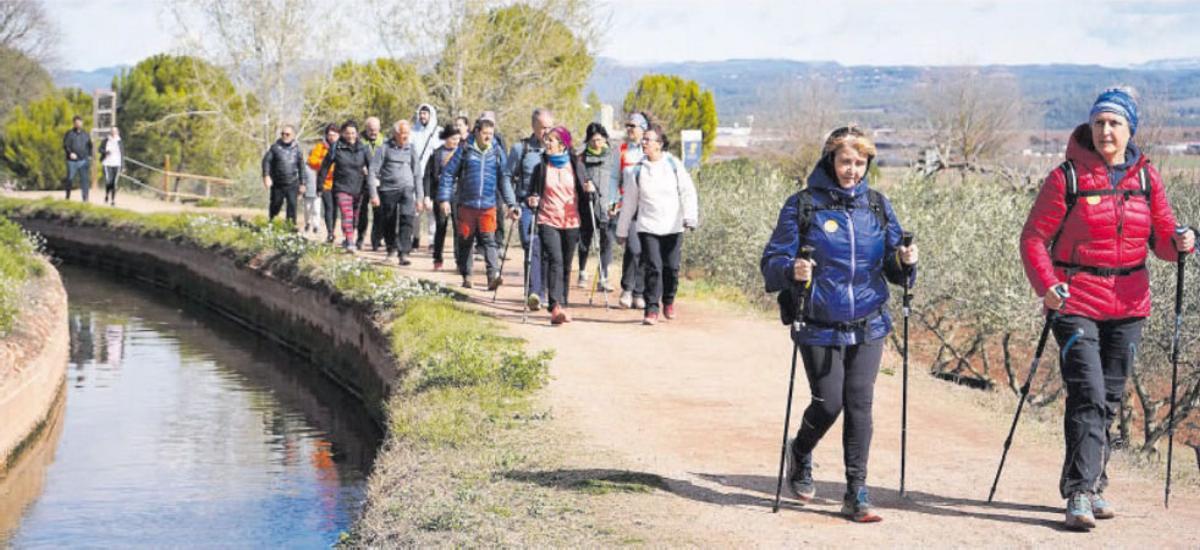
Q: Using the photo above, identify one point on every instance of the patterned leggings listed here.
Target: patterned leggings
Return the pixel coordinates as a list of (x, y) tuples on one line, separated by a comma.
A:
[(348, 205)]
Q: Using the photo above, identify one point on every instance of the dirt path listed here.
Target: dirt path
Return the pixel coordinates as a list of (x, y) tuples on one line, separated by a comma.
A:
[(698, 401)]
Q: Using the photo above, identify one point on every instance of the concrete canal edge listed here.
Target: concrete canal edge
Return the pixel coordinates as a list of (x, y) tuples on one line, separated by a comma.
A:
[(342, 341), (37, 352)]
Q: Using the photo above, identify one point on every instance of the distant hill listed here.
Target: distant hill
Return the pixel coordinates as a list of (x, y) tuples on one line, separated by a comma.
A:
[(883, 94), (88, 81)]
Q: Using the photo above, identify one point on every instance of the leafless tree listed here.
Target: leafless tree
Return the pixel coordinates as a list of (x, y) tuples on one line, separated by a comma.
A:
[(270, 49), (807, 110), (452, 42), (971, 116), (27, 44)]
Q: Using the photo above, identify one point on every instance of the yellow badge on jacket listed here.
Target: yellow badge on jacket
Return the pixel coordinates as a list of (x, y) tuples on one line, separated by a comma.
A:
[(831, 226), (1093, 200)]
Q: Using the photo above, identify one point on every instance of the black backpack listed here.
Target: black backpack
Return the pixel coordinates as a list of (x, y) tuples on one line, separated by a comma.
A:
[(788, 313)]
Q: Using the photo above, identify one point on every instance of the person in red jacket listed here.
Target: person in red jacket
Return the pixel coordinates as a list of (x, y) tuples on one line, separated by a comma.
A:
[(1094, 242)]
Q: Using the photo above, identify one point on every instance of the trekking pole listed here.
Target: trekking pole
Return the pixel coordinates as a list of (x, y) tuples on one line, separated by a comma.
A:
[(529, 261), (1179, 265), (512, 226), (906, 240), (1037, 357), (802, 296)]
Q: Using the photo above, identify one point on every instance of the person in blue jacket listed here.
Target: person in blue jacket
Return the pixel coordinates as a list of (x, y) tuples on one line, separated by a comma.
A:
[(857, 251)]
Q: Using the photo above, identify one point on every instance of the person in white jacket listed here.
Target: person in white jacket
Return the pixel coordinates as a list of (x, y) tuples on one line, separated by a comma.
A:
[(660, 193)]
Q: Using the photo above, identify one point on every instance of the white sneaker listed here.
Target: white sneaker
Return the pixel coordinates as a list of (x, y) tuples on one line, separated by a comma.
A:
[(626, 300), (583, 279), (639, 303)]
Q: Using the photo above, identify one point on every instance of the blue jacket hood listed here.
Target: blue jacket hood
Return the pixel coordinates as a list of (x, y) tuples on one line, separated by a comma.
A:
[(822, 178)]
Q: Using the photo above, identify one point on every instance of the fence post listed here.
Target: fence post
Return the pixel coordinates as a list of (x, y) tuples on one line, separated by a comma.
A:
[(167, 177)]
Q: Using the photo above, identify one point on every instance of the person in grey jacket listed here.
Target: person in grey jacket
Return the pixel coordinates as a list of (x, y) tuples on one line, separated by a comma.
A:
[(396, 174), (599, 161)]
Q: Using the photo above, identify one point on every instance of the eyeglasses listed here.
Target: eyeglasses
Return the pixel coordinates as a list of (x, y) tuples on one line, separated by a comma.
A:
[(631, 126), (286, 134)]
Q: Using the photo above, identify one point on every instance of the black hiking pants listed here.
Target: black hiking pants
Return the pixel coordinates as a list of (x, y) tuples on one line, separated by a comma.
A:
[(281, 194), (660, 267), (398, 219), (558, 249), (1096, 359), (440, 221), (368, 215), (842, 378), (587, 234), (631, 273)]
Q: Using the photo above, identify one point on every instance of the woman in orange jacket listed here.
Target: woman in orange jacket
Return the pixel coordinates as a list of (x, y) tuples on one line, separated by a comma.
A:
[(314, 161)]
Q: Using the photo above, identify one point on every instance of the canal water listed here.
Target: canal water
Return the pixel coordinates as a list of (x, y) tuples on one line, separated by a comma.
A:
[(177, 428)]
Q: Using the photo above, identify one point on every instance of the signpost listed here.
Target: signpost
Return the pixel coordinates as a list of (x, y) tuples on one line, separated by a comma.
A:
[(692, 147)]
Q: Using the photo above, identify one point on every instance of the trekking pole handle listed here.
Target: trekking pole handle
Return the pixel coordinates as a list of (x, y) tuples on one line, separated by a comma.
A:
[(1062, 292), (906, 239), (1183, 229), (801, 296)]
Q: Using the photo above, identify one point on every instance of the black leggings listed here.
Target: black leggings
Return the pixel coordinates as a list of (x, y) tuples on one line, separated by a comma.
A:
[(586, 235), (631, 273), (1096, 359), (110, 182), (440, 221), (329, 211), (558, 248), (841, 378)]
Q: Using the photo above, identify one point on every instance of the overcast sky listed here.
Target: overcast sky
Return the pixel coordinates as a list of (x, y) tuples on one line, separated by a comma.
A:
[(100, 33)]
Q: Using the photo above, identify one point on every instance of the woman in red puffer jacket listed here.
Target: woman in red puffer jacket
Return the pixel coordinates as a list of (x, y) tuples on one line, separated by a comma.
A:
[(1096, 245)]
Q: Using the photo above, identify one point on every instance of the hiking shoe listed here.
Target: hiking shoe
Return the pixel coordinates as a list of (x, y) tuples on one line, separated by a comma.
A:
[(650, 319), (799, 474), (626, 300), (494, 281), (358, 245), (603, 285), (583, 279), (669, 311), (390, 254), (534, 302), (466, 282), (437, 266), (404, 260), (639, 302), (346, 246), (1079, 512), (558, 316), (858, 507), (1102, 509)]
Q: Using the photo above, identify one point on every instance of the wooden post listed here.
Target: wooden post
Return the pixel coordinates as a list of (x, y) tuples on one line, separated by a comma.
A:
[(167, 177)]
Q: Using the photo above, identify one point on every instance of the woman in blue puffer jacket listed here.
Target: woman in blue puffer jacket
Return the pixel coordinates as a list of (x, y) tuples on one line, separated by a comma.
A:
[(857, 250)]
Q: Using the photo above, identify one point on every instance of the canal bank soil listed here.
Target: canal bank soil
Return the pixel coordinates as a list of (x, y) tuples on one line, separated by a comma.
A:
[(669, 435), (33, 357)]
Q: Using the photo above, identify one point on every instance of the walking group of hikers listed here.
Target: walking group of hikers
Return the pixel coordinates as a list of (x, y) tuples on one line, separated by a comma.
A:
[(835, 247), (837, 244), (559, 196)]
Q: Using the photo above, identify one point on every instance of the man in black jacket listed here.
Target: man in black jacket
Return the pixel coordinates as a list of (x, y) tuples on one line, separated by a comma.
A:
[(282, 169), (77, 144)]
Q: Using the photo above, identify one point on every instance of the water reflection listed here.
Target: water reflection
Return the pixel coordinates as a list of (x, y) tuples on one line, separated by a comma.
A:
[(180, 430), (22, 482)]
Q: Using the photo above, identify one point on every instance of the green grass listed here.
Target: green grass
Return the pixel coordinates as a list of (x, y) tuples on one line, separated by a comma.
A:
[(19, 261)]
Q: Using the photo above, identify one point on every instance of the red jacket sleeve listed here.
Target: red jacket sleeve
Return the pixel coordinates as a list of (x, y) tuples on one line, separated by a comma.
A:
[(1043, 222), (1161, 219)]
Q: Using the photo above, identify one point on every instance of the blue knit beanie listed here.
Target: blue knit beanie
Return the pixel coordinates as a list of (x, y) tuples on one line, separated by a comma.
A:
[(1118, 101)]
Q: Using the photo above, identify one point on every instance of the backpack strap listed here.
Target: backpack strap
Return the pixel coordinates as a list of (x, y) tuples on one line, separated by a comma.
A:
[(1070, 197), (875, 200)]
